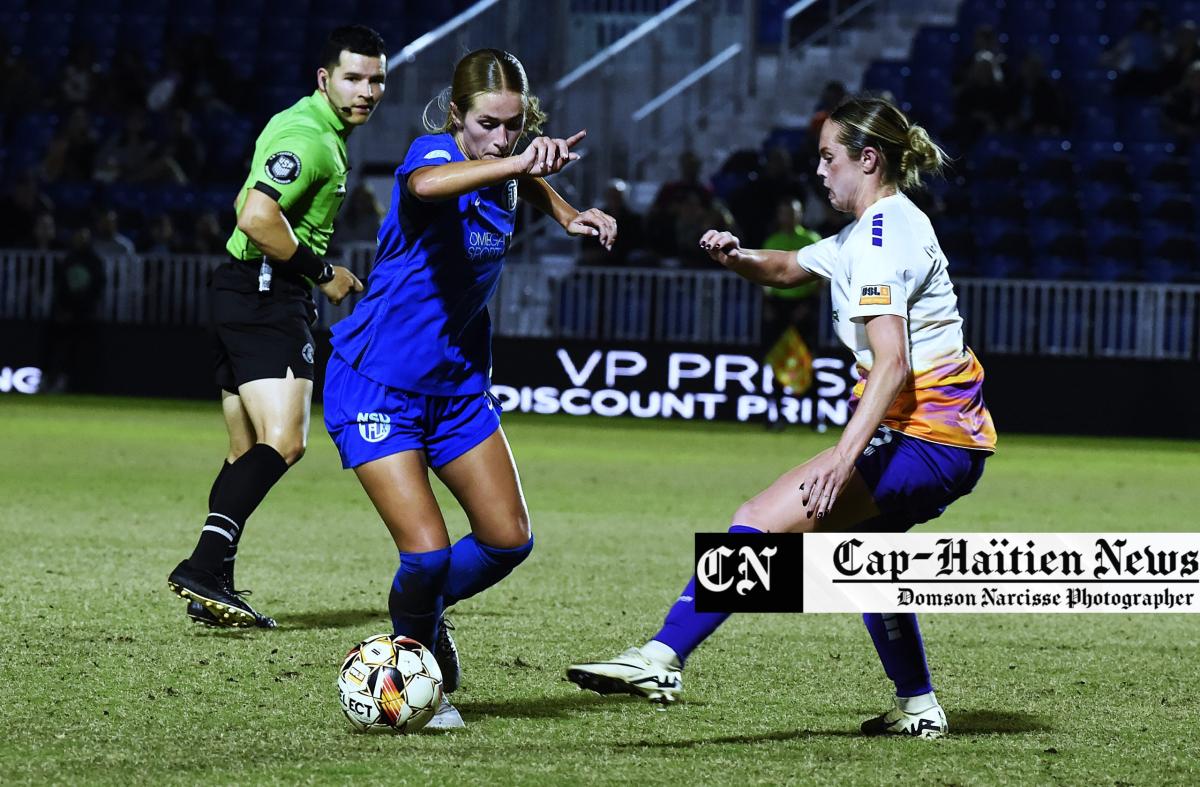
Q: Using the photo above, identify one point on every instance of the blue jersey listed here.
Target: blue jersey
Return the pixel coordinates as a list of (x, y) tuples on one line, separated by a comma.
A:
[(423, 325)]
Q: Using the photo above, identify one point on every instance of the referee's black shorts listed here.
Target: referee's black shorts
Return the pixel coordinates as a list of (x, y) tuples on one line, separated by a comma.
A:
[(260, 335)]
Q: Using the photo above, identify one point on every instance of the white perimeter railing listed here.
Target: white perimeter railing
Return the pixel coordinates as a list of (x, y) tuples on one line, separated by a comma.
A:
[(1010, 317)]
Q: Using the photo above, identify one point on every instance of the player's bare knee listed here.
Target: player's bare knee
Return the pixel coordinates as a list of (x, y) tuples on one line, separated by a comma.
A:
[(514, 531), (293, 453), (518, 531), (288, 447), (289, 443), (749, 514)]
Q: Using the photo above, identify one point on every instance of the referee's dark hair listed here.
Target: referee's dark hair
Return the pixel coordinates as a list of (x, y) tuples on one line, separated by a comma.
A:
[(356, 39)]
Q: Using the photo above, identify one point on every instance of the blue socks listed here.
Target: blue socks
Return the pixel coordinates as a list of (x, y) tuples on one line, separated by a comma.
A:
[(475, 566), (898, 640), (428, 582), (415, 601), (685, 628)]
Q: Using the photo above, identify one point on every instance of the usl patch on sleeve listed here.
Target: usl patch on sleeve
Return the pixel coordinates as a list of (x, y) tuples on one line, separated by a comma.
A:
[(283, 167), (876, 295)]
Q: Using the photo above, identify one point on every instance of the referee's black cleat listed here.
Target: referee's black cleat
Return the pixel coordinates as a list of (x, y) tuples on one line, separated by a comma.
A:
[(445, 652), (213, 593), (200, 614)]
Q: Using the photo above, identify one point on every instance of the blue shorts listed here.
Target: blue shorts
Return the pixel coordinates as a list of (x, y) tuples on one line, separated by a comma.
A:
[(368, 420), (913, 480)]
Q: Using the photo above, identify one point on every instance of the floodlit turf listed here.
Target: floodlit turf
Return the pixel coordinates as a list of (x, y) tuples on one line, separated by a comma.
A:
[(103, 680)]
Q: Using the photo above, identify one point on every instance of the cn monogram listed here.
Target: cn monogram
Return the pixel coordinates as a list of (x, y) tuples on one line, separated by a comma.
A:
[(713, 574)]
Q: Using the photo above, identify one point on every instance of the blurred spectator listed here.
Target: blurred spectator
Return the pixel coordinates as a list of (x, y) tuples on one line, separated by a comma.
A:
[(45, 232), (985, 45), (1183, 50), (207, 237), (167, 82), (23, 203), (685, 194), (360, 219), (162, 238), (125, 89), (1181, 107), (692, 218), (788, 232), (673, 191), (754, 203), (126, 155), (628, 249), (78, 284), (183, 146), (1140, 55), (20, 91), (832, 94), (107, 239), (79, 76), (71, 155), (132, 156), (1039, 106), (982, 102)]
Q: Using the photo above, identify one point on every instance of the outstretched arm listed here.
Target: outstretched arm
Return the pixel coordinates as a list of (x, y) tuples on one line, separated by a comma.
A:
[(768, 267), (592, 222), (543, 156)]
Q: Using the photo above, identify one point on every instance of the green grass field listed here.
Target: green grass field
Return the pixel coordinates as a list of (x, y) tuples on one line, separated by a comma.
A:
[(103, 680)]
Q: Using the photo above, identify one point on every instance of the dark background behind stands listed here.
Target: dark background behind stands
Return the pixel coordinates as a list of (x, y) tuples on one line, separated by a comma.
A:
[(1072, 124), (151, 107)]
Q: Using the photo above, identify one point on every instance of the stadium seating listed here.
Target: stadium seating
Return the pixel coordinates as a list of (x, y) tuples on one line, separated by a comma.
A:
[(1113, 197), (234, 32)]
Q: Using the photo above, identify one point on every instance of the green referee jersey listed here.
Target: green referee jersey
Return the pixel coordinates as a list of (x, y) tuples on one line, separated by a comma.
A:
[(300, 162)]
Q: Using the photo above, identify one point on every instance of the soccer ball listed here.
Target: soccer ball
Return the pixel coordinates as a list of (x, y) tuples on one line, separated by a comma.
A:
[(389, 684)]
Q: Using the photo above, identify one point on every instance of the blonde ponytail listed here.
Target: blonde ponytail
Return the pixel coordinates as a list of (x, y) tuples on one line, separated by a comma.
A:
[(920, 155), (906, 148)]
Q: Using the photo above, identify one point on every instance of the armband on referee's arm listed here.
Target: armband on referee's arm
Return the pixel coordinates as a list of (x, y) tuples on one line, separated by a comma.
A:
[(310, 266)]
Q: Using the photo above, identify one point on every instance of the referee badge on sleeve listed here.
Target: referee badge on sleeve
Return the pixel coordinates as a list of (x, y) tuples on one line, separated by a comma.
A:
[(283, 167)]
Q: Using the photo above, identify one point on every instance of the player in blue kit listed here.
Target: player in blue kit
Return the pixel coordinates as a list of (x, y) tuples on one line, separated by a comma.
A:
[(919, 433), (407, 386)]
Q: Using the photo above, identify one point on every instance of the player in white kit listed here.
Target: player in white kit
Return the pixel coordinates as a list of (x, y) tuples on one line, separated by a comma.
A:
[(919, 432)]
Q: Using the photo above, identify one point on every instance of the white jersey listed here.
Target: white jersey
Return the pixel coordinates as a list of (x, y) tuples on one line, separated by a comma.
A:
[(889, 262)]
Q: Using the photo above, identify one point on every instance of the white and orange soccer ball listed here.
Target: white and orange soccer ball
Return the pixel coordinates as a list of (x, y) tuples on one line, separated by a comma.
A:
[(389, 683)]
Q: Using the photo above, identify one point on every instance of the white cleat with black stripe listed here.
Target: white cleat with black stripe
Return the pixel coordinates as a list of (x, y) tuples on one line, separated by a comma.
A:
[(927, 721), (633, 672)]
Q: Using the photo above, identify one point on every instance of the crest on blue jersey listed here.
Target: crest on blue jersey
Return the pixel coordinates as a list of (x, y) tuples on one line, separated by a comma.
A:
[(374, 427), (510, 195)]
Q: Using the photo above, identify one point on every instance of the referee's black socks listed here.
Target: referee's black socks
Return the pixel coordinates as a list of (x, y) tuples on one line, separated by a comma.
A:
[(239, 489)]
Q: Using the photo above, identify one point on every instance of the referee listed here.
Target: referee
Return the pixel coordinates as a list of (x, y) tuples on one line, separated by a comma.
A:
[(263, 306)]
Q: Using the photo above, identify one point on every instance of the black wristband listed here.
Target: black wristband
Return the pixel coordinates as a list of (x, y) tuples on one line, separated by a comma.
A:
[(310, 266)]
